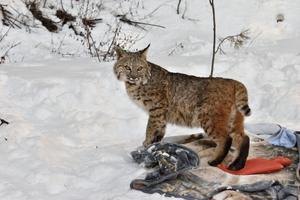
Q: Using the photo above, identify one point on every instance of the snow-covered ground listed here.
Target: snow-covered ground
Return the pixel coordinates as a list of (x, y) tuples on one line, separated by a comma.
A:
[(71, 125)]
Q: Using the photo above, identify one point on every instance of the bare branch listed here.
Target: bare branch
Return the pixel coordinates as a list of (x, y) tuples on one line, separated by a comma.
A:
[(5, 34), (3, 122), (253, 40), (235, 40), (178, 7), (8, 19), (125, 20), (177, 48), (2, 59), (185, 9), (112, 44)]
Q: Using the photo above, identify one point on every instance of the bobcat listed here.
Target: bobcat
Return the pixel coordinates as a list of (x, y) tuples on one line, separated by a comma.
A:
[(218, 105)]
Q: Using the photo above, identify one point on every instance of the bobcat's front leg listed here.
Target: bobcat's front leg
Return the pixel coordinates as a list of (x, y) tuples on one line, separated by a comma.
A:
[(157, 124), (156, 129)]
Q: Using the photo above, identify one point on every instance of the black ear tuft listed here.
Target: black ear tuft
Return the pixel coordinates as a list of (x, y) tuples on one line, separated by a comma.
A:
[(144, 51)]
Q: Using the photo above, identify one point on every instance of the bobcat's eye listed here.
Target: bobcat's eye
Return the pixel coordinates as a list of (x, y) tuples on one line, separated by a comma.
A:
[(127, 67), (140, 68)]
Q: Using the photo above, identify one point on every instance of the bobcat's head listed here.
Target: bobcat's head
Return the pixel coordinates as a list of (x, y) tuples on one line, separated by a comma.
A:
[(132, 67)]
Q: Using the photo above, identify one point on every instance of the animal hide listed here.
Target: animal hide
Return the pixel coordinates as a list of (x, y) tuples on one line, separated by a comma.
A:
[(219, 183), (258, 149)]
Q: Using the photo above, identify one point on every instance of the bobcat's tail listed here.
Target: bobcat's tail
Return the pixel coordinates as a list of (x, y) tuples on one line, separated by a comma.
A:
[(241, 99)]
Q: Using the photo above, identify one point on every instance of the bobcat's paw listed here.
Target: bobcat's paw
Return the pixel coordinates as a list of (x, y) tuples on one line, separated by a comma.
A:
[(236, 167), (146, 143), (214, 163)]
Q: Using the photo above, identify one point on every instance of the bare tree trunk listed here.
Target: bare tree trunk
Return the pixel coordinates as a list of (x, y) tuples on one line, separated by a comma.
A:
[(214, 43)]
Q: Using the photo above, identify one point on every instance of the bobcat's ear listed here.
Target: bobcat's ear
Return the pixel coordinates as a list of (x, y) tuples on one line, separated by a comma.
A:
[(144, 52), (120, 52)]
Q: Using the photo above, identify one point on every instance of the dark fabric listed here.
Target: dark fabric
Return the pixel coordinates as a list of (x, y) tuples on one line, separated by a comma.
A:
[(189, 186), (184, 184), (171, 158)]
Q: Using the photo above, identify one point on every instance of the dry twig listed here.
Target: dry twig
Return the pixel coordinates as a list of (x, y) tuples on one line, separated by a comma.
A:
[(2, 59), (178, 7), (133, 23), (235, 40), (3, 122)]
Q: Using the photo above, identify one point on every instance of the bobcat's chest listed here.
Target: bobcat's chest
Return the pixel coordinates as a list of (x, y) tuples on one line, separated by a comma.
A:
[(138, 95)]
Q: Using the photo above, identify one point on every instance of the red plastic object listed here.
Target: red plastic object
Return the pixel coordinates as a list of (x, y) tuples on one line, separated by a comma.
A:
[(260, 166), (282, 160)]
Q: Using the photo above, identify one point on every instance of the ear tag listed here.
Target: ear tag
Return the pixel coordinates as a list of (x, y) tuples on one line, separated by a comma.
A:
[(123, 50)]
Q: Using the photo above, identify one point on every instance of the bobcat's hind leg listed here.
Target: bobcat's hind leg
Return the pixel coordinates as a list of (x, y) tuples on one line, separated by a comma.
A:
[(221, 151), (215, 126), (240, 142), (217, 130)]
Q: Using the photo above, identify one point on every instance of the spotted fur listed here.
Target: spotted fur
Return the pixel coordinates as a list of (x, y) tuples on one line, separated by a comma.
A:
[(218, 105)]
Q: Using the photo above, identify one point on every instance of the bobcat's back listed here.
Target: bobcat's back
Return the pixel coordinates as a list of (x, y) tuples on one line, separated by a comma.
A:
[(192, 98)]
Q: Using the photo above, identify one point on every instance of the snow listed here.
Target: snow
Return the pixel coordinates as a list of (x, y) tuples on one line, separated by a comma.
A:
[(71, 124)]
